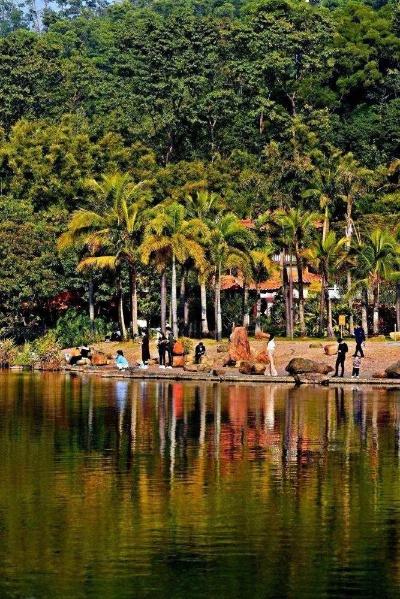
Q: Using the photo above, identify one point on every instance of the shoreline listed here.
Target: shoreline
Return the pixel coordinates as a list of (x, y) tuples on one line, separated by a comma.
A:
[(228, 377)]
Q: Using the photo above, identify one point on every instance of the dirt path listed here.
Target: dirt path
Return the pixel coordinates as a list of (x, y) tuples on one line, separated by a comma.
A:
[(378, 354)]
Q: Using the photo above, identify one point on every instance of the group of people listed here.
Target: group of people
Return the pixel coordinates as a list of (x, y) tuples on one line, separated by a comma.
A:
[(343, 349), (165, 346), (166, 341)]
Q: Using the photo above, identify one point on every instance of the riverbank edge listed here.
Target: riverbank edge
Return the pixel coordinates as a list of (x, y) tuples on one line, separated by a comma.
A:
[(226, 378)]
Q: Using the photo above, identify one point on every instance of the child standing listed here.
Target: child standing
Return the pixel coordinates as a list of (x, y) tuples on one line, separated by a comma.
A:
[(356, 367)]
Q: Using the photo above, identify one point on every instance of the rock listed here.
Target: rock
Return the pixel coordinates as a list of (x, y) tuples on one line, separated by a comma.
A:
[(178, 349), (313, 378), (99, 358), (190, 359), (190, 368), (219, 371), (262, 357), (245, 367), (315, 345), (258, 368), (228, 362), (261, 335), (223, 348), (395, 336), (178, 361), (298, 366), (239, 347), (330, 349), (381, 374), (205, 366), (393, 371)]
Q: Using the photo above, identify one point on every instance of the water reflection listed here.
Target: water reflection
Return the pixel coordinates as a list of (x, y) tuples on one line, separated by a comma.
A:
[(153, 485)]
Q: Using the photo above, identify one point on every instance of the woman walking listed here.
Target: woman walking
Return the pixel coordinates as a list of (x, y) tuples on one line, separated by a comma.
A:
[(271, 346)]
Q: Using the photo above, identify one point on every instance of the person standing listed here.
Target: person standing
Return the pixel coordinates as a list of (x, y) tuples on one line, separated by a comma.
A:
[(145, 349), (170, 347), (360, 339), (356, 367), (341, 357), (199, 352), (271, 346), (162, 348)]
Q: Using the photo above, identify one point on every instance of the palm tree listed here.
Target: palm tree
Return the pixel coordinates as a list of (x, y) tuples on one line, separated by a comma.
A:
[(113, 235), (377, 261), (261, 267), (205, 206), (177, 239), (297, 225), (328, 255), (229, 243)]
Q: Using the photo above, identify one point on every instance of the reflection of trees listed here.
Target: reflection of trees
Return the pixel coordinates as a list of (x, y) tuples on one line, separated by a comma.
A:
[(93, 471)]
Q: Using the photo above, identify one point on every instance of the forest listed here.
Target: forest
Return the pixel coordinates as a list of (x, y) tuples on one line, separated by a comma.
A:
[(149, 148)]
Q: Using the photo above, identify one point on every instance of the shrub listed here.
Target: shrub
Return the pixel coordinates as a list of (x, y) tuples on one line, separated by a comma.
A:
[(187, 344), (8, 351), (25, 356), (73, 329), (47, 352)]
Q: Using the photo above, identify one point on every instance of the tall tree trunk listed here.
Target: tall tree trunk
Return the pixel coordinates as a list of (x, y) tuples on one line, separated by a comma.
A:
[(364, 310), (91, 305), (350, 304), (163, 301), (291, 315), (258, 311), (245, 307), (174, 312), (121, 318), (398, 306), (375, 318), (218, 316), (285, 288), (322, 307), (134, 300), (329, 315), (182, 325), (299, 263), (203, 300)]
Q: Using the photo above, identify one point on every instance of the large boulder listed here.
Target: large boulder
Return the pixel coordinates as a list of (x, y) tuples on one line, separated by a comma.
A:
[(262, 357), (245, 367), (393, 371), (330, 349), (99, 358), (190, 368), (239, 347), (178, 361), (303, 365)]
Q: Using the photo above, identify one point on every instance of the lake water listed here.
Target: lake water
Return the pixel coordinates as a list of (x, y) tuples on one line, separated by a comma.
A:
[(125, 489)]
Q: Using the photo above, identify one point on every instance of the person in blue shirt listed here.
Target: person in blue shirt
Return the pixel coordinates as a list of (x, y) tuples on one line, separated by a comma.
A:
[(120, 361), (360, 339)]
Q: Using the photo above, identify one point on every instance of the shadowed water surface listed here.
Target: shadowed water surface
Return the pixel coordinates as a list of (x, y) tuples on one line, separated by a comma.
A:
[(122, 489)]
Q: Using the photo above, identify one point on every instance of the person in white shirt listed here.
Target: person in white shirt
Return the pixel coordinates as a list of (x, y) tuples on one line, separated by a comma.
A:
[(271, 345)]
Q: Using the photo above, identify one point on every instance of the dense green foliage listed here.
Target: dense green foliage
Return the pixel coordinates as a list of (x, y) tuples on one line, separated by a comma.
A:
[(271, 105)]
